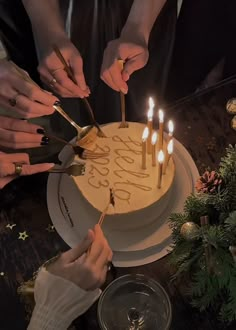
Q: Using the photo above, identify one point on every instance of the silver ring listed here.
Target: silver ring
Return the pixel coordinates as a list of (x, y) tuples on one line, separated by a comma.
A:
[(109, 265)]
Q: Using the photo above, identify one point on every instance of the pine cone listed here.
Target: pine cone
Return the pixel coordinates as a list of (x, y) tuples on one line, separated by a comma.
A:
[(209, 182)]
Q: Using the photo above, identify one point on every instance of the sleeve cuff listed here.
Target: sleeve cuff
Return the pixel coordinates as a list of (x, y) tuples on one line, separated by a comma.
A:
[(58, 302)]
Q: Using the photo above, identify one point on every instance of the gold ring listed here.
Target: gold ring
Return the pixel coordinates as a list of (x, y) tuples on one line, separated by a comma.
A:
[(13, 100), (58, 69), (53, 82), (18, 168)]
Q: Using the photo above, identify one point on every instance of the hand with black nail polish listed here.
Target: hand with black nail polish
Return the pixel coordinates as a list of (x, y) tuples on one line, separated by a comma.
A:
[(20, 134)]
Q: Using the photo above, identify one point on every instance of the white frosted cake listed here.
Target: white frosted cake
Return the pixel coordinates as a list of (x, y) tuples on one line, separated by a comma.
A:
[(138, 201)]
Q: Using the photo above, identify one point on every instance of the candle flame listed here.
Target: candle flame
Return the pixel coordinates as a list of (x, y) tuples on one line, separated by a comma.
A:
[(151, 103), (154, 138), (160, 157), (150, 114), (145, 134), (161, 116), (170, 147), (171, 127)]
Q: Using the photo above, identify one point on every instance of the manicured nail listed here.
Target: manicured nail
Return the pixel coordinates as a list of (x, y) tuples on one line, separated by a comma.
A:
[(57, 103), (124, 91), (45, 140), (44, 143), (41, 131)]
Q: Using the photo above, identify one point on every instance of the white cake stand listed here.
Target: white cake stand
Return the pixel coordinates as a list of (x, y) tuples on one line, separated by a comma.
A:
[(131, 248)]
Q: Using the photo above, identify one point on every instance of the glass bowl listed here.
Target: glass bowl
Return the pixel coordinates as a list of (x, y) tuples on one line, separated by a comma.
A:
[(134, 302)]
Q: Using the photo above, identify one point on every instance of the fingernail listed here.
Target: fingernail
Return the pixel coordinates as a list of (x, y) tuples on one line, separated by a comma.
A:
[(45, 140), (41, 131), (57, 103), (124, 91)]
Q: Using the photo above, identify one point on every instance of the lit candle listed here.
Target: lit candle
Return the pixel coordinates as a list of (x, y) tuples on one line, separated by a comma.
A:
[(160, 159), (150, 124), (170, 148), (154, 141), (169, 137), (144, 146), (171, 130), (161, 129)]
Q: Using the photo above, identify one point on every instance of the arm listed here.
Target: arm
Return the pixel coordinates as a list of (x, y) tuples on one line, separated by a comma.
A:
[(48, 29), (132, 45), (70, 285), (46, 20), (142, 16)]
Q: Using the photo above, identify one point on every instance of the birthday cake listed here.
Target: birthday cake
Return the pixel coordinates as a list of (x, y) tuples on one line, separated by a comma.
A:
[(137, 199)]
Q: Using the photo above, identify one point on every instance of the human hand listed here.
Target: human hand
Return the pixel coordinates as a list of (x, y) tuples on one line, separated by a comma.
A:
[(52, 72), (133, 51), (13, 165), (28, 99), (86, 264), (19, 134)]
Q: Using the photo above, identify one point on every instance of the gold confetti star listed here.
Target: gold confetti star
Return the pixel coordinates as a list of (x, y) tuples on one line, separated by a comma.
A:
[(50, 228), (10, 226), (2, 273), (23, 235)]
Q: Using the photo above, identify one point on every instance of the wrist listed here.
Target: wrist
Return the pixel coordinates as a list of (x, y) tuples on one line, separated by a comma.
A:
[(44, 45), (132, 32), (46, 21)]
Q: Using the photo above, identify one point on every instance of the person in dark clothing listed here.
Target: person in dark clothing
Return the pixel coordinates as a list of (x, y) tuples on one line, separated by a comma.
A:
[(93, 25), (204, 37)]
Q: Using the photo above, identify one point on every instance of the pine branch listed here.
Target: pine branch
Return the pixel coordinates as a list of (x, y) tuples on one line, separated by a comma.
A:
[(214, 283)]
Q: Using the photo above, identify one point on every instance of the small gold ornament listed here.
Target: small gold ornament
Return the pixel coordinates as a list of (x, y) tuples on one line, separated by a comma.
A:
[(233, 123), (23, 236), (189, 230), (231, 106)]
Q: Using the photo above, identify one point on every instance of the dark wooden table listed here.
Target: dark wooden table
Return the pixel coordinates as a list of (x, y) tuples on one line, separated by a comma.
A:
[(203, 126)]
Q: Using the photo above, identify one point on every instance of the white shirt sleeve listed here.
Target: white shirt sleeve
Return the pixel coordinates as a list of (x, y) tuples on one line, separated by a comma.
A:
[(58, 302)]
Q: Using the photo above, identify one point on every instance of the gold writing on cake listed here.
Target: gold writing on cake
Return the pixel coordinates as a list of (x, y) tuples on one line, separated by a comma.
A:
[(135, 188)]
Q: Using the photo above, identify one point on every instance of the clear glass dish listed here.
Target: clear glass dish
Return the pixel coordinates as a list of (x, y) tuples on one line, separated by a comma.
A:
[(134, 302)]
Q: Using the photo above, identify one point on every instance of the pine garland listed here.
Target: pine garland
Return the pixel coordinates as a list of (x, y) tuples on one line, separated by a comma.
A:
[(205, 256)]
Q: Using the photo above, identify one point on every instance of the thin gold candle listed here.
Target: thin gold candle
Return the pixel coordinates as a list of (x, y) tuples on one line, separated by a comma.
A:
[(154, 142), (160, 161), (161, 130), (144, 146), (150, 124), (170, 148)]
